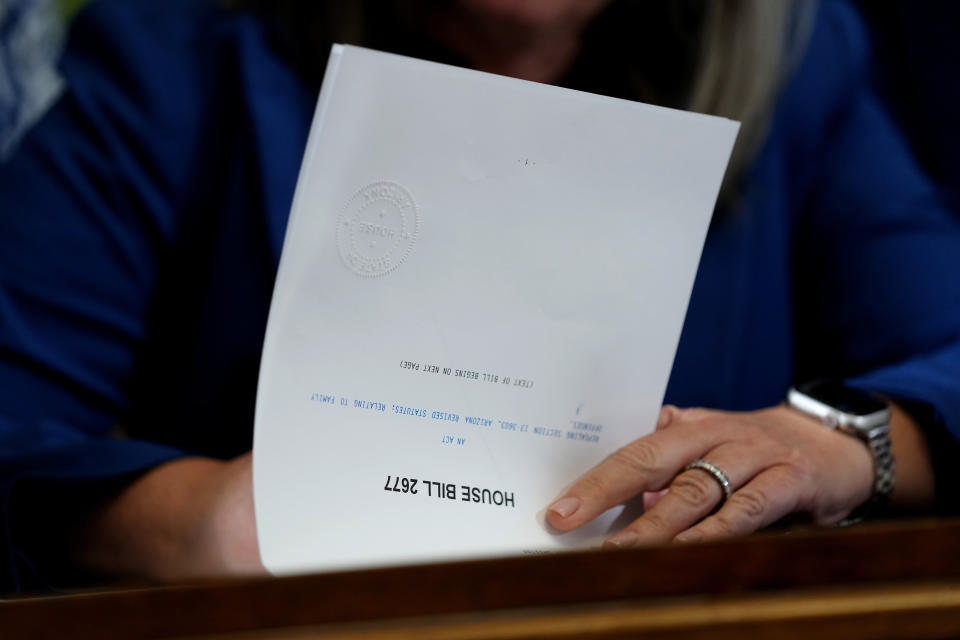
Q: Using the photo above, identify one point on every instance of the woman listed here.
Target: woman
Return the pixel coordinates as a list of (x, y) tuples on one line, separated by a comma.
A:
[(143, 218)]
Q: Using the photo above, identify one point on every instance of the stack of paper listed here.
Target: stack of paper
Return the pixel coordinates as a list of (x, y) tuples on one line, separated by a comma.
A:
[(480, 296)]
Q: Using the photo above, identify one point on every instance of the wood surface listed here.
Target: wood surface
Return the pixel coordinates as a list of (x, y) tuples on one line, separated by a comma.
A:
[(920, 611), (887, 580)]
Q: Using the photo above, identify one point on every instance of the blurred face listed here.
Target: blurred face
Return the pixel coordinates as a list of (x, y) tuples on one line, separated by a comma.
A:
[(532, 39), (534, 16)]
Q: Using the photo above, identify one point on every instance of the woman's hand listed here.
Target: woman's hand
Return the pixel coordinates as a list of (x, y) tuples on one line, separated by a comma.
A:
[(778, 461), (186, 519)]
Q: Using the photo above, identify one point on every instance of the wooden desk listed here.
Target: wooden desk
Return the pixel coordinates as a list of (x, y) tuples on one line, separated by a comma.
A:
[(890, 580)]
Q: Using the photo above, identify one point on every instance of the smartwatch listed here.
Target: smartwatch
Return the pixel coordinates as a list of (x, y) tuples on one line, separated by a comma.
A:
[(860, 414)]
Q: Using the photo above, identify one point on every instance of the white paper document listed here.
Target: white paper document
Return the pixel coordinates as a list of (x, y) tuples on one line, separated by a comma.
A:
[(481, 292)]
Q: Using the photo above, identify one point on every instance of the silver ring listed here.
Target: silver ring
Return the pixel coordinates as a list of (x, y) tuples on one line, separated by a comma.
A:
[(715, 472)]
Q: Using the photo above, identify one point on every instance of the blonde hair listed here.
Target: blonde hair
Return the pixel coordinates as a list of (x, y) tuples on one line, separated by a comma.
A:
[(747, 49)]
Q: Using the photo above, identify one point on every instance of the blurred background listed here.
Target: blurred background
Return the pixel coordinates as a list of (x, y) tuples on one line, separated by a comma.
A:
[(31, 38), (917, 48), (918, 52)]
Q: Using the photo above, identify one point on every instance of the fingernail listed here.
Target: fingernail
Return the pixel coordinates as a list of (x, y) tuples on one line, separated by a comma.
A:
[(620, 541), (651, 498), (565, 507), (689, 536)]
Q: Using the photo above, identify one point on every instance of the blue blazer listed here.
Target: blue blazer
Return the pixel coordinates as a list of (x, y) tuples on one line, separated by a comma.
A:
[(142, 219)]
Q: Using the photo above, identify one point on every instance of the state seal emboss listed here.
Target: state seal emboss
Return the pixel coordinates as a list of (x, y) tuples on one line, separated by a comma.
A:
[(377, 229)]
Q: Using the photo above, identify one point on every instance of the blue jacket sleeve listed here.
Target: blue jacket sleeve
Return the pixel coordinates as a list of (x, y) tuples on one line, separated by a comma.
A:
[(876, 259), (87, 214)]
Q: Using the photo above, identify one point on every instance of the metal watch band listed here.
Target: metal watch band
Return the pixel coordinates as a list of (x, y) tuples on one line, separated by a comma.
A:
[(884, 468), (873, 429), (880, 446)]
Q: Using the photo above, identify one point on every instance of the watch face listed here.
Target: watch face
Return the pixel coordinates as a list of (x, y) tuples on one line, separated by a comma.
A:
[(842, 397)]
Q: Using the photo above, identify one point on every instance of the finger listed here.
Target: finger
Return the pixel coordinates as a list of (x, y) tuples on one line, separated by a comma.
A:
[(651, 498), (668, 414), (693, 495), (771, 495), (647, 464)]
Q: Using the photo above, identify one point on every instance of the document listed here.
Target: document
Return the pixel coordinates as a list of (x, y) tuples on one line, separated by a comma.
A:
[(480, 295)]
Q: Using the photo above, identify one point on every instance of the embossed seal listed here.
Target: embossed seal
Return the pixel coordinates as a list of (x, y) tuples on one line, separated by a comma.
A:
[(377, 229)]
